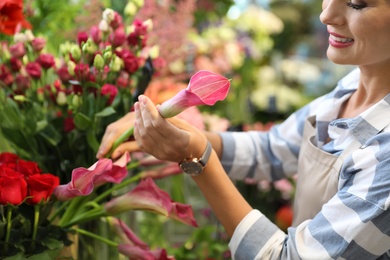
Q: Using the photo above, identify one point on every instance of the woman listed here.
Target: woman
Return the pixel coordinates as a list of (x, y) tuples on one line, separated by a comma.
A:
[(338, 144)]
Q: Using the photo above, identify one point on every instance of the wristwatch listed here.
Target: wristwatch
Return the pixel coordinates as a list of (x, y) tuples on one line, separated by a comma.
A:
[(195, 166)]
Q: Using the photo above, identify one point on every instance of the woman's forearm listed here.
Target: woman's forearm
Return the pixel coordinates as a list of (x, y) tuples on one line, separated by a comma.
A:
[(227, 203)]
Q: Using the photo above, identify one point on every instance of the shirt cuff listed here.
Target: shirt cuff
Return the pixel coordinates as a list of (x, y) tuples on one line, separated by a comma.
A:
[(242, 228)]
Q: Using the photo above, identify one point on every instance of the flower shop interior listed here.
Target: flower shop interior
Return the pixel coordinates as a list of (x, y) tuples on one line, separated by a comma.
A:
[(70, 68)]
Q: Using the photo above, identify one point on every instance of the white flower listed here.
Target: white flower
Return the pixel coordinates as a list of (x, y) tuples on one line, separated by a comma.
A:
[(108, 15)]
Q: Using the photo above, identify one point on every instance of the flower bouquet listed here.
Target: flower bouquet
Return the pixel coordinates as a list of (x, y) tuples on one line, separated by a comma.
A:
[(54, 110)]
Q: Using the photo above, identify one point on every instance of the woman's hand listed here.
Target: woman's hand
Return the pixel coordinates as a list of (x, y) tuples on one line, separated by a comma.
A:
[(113, 132), (166, 139)]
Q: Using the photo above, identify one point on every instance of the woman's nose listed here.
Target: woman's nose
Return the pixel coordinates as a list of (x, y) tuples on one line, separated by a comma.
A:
[(332, 12)]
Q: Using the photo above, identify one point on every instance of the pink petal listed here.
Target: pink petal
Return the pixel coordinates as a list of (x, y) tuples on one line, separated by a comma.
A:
[(146, 196), (205, 88), (183, 213), (209, 86), (126, 235), (135, 253), (117, 173)]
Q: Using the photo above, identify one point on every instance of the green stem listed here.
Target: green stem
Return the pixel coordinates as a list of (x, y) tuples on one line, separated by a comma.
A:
[(9, 217), (117, 187), (120, 140), (36, 220), (102, 239), (91, 215), (58, 211)]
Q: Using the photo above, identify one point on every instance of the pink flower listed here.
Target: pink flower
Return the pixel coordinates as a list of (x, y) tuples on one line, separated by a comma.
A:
[(118, 37), (34, 70), (205, 88), (84, 180), (126, 235), (82, 37), (17, 50), (146, 196), (38, 44), (46, 60), (183, 213), (96, 34)]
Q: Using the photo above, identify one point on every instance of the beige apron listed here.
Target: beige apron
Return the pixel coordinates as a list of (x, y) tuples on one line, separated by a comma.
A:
[(318, 175)]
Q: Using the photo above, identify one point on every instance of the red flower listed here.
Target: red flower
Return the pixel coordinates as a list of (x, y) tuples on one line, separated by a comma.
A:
[(46, 61), (41, 186), (82, 37), (27, 168), (68, 124), (13, 190), (11, 16), (5, 75), (64, 74), (8, 158), (15, 63), (111, 91), (34, 70), (96, 34)]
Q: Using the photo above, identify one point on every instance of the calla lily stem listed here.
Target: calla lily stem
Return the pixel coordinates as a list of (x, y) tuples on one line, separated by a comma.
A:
[(120, 140), (102, 239)]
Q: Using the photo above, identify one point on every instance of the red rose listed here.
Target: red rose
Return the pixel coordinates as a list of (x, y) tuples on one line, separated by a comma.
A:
[(34, 70), (28, 168), (41, 186), (11, 13), (111, 91), (8, 158), (46, 60), (13, 190)]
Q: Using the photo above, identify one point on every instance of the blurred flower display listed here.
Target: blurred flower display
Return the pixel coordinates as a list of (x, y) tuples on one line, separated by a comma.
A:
[(54, 109)]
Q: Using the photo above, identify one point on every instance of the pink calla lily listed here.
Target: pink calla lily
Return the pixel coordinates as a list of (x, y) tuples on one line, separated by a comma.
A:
[(183, 213), (133, 247), (205, 88), (146, 196), (85, 180)]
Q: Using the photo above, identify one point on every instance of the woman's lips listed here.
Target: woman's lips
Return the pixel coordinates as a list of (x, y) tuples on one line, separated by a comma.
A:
[(339, 41)]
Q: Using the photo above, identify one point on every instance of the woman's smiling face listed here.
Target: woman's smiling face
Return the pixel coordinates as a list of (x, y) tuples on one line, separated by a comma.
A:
[(359, 31)]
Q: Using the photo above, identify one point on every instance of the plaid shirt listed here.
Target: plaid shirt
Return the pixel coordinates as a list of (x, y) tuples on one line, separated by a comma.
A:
[(354, 224)]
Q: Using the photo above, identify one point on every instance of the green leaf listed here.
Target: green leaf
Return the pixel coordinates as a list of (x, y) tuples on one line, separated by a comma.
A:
[(51, 135), (106, 112), (9, 113), (92, 141), (82, 121)]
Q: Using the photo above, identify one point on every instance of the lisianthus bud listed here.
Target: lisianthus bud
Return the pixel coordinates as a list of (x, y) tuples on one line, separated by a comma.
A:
[(104, 26), (71, 66), (148, 24), (139, 3), (89, 47), (98, 62), (29, 35), (116, 64), (108, 15), (75, 52), (96, 34), (107, 56), (20, 98), (130, 9), (61, 98), (76, 101), (154, 52), (20, 37)]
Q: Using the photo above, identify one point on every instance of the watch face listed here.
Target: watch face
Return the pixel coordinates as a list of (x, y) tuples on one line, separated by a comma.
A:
[(191, 167)]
